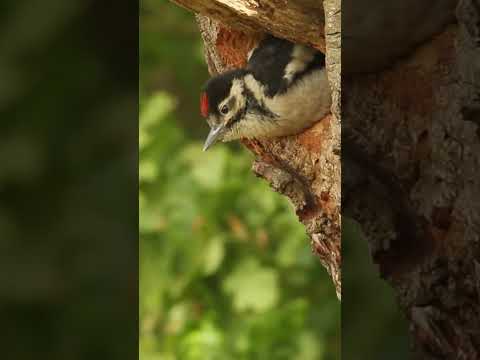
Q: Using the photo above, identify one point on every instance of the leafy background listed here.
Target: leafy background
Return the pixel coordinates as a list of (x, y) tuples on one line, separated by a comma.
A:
[(226, 270)]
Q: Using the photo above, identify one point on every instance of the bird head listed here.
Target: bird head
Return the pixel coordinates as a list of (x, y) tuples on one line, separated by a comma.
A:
[(223, 103)]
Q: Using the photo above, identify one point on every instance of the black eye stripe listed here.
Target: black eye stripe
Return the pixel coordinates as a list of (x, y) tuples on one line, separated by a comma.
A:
[(257, 107), (252, 105), (235, 119)]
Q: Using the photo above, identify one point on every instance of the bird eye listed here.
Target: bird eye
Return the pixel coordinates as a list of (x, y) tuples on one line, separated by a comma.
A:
[(224, 109)]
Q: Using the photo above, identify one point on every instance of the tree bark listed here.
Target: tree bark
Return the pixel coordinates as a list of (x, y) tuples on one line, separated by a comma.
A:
[(306, 167), (298, 21), (411, 147)]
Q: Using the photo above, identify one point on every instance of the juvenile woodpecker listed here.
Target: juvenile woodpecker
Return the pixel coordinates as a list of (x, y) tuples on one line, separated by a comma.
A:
[(282, 90)]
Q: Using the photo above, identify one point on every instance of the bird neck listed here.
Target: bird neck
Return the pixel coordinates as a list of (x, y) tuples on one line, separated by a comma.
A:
[(257, 102)]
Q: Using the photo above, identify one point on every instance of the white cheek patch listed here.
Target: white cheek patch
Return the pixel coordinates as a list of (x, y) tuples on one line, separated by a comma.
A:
[(237, 89), (235, 100), (254, 86), (301, 56)]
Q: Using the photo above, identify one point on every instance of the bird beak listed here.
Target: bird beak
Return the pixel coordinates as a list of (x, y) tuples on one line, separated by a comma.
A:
[(213, 136)]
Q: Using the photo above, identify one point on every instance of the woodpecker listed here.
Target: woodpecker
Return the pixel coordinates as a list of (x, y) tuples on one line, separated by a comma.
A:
[(282, 90)]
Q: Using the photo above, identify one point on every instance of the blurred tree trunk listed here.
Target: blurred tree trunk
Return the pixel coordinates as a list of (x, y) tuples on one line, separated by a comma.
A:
[(306, 167), (411, 177)]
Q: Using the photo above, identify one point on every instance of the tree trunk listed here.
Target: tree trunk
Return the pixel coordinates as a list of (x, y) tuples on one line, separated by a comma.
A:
[(411, 147), (306, 167)]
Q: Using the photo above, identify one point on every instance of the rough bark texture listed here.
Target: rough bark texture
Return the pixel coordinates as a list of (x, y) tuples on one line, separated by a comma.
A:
[(298, 21), (306, 167), (411, 137)]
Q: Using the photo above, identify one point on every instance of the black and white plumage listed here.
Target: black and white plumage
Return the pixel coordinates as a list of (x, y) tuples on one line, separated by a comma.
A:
[(282, 90)]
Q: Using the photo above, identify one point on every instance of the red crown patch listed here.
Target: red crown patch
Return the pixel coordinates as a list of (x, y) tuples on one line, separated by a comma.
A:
[(204, 104)]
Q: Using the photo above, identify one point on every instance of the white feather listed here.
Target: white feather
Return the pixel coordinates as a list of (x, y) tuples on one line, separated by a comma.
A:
[(301, 57)]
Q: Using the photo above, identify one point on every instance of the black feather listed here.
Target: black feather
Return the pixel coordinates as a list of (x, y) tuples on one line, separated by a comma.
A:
[(269, 61), (318, 62)]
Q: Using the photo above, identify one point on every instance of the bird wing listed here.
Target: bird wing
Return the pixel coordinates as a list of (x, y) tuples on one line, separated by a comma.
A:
[(278, 63)]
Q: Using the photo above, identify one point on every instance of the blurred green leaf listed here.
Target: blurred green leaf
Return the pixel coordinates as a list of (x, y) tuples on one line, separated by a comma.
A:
[(148, 170), (213, 254), (207, 168), (252, 286), (156, 107), (309, 348), (177, 318), (205, 343)]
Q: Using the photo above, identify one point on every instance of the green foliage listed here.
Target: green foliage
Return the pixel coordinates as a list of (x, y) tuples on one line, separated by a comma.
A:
[(226, 271), (252, 287)]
